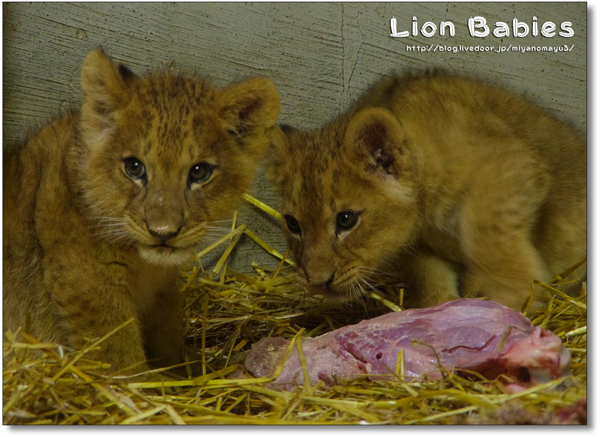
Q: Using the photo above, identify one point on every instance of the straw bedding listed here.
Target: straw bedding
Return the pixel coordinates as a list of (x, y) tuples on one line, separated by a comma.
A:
[(226, 312)]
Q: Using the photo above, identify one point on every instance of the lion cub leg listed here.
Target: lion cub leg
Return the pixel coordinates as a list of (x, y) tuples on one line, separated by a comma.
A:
[(162, 329), (85, 319), (430, 279), (92, 299), (498, 213)]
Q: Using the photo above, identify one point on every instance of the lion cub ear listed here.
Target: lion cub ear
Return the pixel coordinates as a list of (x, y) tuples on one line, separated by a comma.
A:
[(105, 90), (377, 136), (248, 109), (279, 146)]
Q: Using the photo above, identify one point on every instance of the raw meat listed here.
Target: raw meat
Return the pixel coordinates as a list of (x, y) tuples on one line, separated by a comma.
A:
[(469, 334)]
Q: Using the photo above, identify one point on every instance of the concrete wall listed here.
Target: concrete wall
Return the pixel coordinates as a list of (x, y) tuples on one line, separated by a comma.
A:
[(320, 56)]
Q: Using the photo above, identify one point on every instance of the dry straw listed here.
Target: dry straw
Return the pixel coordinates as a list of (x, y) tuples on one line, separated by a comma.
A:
[(226, 312)]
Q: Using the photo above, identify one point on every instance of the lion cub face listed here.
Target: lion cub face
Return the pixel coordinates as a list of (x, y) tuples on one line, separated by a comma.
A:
[(165, 156), (348, 199)]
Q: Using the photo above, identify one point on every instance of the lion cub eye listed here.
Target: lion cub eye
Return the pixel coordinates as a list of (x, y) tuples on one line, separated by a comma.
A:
[(346, 220), (200, 172), (292, 224), (134, 168)]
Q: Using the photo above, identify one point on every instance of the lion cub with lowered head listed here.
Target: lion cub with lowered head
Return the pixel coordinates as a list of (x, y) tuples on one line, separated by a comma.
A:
[(457, 188), (104, 205)]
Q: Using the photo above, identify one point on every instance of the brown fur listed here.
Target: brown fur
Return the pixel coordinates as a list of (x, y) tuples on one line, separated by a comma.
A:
[(460, 189), (86, 245)]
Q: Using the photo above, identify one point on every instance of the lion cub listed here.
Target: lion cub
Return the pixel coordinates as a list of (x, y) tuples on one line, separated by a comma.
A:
[(456, 187), (104, 205)]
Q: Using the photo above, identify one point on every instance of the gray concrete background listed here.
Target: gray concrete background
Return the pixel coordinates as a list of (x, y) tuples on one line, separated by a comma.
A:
[(320, 56)]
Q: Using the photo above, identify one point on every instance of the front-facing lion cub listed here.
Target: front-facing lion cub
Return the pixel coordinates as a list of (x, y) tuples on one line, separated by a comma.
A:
[(455, 187), (104, 205)]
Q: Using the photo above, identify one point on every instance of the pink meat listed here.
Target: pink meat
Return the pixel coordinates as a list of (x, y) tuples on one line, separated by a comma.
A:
[(468, 334)]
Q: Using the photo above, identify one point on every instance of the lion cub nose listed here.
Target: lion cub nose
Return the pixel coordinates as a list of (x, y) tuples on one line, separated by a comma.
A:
[(164, 233), (317, 281)]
